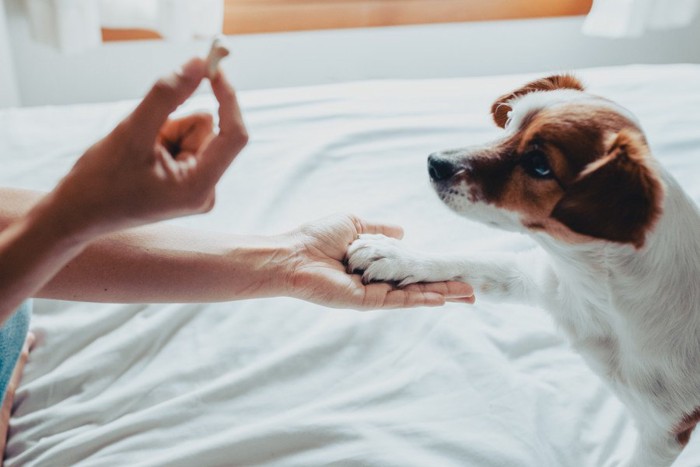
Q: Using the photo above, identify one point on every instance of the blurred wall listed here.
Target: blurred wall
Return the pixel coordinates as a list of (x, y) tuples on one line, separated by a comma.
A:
[(9, 94), (125, 70)]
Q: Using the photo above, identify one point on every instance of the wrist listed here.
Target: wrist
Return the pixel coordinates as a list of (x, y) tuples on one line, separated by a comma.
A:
[(283, 264), (296, 270), (265, 263), (56, 223), (33, 248)]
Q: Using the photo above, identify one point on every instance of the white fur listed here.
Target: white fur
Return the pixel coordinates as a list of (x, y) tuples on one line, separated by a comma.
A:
[(527, 103), (634, 315)]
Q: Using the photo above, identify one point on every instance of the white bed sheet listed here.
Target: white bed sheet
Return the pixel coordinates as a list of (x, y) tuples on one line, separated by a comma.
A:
[(282, 382)]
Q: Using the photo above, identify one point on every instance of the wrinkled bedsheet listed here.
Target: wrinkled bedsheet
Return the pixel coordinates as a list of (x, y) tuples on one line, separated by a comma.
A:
[(282, 382)]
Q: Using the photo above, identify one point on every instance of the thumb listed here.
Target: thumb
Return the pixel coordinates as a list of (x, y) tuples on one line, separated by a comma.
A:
[(390, 230)]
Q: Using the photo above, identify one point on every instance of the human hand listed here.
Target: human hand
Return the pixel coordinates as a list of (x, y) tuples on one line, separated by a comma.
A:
[(318, 274), (151, 168)]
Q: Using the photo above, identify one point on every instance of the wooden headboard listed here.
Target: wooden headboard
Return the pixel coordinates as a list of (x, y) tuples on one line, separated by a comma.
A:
[(264, 16)]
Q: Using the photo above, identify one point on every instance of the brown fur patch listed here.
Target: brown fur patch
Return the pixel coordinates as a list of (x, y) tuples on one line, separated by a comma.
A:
[(576, 132), (601, 189), (489, 172), (617, 197), (571, 137), (600, 186), (500, 108), (686, 427)]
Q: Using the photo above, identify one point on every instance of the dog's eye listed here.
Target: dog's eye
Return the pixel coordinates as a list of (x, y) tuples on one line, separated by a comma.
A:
[(536, 165)]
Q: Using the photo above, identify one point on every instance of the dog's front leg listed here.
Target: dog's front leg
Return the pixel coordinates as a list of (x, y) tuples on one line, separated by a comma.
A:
[(516, 277), (654, 449)]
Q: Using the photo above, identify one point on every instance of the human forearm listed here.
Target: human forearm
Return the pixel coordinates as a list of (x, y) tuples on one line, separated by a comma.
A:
[(33, 247), (163, 263), (159, 263)]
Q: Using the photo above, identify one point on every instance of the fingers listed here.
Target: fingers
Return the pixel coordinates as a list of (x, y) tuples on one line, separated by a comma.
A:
[(365, 227), (415, 295), (163, 98), (19, 367), (9, 398), (381, 295), (29, 343), (188, 134), (15, 380), (470, 300), (230, 118), (400, 298), (451, 289), (232, 135)]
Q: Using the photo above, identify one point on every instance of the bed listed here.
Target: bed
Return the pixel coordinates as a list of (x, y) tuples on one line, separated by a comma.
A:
[(283, 382)]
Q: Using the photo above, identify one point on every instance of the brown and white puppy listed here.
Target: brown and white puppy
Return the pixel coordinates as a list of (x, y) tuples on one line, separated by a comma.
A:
[(620, 269)]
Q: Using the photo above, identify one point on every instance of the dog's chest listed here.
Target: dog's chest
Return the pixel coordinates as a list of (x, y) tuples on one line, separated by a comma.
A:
[(616, 350), (584, 314)]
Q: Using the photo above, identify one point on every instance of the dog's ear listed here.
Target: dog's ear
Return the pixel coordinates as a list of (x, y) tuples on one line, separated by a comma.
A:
[(617, 197), (500, 108)]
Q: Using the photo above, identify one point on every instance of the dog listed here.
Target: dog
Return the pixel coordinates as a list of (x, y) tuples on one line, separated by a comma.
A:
[(619, 263)]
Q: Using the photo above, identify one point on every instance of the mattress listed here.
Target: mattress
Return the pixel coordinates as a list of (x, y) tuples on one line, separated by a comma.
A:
[(280, 382)]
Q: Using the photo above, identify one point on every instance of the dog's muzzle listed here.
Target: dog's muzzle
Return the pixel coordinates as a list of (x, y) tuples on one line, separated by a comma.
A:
[(441, 169)]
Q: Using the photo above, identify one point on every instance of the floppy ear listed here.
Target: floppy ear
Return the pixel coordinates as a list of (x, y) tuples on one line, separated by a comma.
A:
[(500, 108), (616, 198)]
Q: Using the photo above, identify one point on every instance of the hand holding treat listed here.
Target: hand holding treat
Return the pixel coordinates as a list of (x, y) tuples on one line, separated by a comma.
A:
[(151, 167)]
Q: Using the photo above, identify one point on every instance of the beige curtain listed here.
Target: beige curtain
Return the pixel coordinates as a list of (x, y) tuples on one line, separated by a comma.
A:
[(631, 18), (9, 93)]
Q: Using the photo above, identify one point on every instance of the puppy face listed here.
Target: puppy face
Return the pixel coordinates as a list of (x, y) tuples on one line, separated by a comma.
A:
[(570, 164)]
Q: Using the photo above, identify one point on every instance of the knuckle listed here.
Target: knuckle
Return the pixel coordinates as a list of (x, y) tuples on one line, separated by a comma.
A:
[(237, 137), (243, 135), (356, 222), (202, 201), (209, 204)]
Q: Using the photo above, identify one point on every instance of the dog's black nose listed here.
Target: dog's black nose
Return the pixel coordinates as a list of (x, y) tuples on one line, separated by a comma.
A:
[(440, 169)]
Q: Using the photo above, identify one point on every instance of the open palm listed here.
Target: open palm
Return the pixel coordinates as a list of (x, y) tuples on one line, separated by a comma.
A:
[(320, 276)]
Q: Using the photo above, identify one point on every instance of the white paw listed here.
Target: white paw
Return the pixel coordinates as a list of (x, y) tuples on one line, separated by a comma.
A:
[(381, 258)]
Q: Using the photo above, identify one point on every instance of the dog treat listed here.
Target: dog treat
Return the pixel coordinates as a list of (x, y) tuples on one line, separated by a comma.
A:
[(216, 53)]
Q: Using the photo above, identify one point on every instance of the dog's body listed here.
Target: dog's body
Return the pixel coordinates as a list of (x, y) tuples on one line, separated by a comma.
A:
[(621, 272)]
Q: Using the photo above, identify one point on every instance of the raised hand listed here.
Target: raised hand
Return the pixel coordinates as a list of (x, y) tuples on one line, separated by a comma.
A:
[(151, 167)]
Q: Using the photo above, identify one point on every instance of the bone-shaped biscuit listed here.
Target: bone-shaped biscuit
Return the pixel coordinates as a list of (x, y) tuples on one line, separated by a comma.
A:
[(216, 53)]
